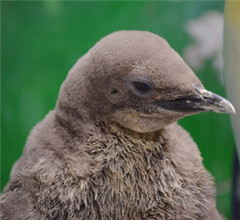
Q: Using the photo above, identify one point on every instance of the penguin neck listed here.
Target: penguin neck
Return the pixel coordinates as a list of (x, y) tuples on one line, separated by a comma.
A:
[(121, 131), (80, 126)]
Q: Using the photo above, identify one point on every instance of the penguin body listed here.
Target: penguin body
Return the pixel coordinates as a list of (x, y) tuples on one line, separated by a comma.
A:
[(111, 149)]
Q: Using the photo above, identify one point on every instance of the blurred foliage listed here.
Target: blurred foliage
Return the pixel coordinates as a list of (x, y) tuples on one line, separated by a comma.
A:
[(42, 40)]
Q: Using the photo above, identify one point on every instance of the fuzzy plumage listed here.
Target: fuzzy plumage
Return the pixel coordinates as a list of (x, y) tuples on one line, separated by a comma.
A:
[(107, 152)]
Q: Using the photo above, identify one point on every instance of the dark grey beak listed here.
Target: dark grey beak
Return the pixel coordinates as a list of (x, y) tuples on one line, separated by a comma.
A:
[(203, 101), (214, 103)]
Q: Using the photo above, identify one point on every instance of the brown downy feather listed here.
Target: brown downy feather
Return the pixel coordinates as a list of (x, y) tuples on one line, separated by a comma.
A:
[(104, 152)]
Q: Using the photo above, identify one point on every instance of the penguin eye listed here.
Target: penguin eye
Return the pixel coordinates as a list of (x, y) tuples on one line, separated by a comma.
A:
[(141, 87)]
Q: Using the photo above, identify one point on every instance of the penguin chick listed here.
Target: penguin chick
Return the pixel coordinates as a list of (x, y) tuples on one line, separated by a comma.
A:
[(111, 149)]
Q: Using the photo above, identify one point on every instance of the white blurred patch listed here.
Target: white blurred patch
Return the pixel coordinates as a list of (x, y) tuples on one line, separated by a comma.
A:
[(207, 34)]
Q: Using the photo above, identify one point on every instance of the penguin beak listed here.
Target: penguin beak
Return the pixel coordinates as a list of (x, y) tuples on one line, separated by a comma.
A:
[(202, 101), (214, 103)]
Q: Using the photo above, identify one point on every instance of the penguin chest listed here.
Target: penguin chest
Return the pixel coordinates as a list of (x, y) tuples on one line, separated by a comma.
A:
[(150, 186)]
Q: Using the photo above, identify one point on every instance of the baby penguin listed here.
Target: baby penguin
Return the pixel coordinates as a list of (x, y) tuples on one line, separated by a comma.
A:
[(111, 149)]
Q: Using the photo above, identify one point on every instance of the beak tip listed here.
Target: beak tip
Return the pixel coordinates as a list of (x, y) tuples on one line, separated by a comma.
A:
[(228, 107), (233, 111)]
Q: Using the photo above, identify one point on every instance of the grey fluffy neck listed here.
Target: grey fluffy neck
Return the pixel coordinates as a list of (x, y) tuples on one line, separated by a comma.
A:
[(81, 125)]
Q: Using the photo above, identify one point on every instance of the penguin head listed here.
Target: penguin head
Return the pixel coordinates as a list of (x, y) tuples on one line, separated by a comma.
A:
[(135, 79)]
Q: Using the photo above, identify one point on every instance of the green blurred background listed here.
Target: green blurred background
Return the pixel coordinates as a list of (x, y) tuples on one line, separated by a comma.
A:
[(42, 40)]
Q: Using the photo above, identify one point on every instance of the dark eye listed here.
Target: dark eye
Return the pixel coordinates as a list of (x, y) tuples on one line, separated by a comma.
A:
[(141, 87)]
